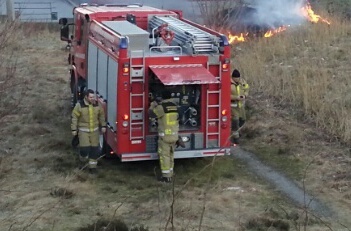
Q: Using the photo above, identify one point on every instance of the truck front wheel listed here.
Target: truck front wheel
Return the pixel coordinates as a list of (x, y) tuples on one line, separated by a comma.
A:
[(73, 95)]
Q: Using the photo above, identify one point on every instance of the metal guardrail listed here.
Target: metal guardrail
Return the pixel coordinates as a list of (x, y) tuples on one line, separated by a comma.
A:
[(35, 11)]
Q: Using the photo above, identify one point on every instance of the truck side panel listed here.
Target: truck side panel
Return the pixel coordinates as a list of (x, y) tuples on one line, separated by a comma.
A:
[(92, 66), (101, 88), (112, 109), (102, 78)]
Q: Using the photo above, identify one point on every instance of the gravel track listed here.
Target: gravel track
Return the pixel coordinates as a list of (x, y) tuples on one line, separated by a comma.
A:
[(283, 184)]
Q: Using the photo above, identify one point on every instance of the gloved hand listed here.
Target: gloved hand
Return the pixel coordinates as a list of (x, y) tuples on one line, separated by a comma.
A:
[(74, 133), (103, 129), (180, 142), (241, 97), (153, 104)]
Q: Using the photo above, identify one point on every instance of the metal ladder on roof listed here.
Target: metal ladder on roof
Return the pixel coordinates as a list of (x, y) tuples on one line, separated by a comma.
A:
[(213, 115), (184, 33), (137, 96)]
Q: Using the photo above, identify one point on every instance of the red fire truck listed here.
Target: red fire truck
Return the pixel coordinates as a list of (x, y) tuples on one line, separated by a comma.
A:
[(128, 54)]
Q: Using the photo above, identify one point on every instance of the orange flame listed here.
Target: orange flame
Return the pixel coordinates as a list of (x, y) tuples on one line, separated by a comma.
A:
[(236, 38), (311, 16), (306, 11), (270, 33)]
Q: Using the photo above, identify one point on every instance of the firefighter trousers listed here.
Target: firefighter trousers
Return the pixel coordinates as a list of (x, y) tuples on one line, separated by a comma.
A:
[(166, 154), (89, 147), (238, 120), (237, 123)]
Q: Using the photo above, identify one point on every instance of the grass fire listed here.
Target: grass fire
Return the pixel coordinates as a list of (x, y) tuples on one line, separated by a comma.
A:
[(265, 20)]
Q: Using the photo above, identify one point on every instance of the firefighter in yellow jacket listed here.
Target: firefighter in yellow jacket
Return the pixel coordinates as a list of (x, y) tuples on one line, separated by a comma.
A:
[(239, 92), (167, 116), (87, 117)]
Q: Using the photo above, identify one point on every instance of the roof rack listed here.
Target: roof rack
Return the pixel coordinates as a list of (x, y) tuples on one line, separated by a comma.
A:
[(88, 4), (133, 5), (187, 35)]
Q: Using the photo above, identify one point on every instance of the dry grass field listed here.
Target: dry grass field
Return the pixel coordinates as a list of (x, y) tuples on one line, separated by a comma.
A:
[(298, 123)]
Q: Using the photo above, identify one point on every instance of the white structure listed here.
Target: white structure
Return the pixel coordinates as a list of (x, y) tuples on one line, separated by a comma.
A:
[(38, 10), (190, 8), (52, 10)]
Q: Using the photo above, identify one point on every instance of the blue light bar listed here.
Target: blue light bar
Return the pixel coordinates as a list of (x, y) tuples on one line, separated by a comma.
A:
[(123, 44), (224, 40)]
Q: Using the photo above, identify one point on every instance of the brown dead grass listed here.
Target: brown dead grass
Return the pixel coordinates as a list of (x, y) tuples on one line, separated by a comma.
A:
[(38, 168), (299, 107), (307, 69)]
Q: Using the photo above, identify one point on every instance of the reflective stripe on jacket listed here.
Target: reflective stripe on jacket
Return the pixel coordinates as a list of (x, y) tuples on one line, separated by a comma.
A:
[(167, 114), (87, 117)]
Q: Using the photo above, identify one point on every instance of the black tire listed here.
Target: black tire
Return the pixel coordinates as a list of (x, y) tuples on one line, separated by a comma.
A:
[(74, 97), (72, 83), (105, 149)]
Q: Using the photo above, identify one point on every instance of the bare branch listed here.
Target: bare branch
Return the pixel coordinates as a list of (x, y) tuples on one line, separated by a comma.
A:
[(41, 214)]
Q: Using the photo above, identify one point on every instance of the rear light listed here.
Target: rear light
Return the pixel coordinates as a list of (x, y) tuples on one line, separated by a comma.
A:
[(125, 122), (125, 68), (224, 118), (226, 64)]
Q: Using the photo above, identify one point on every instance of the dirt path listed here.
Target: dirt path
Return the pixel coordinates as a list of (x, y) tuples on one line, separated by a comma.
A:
[(283, 184)]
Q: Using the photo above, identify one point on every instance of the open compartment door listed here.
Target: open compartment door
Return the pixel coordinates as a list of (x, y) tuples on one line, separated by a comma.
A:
[(183, 74)]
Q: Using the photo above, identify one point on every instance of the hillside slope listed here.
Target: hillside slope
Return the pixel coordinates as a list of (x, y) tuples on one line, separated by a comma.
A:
[(42, 188)]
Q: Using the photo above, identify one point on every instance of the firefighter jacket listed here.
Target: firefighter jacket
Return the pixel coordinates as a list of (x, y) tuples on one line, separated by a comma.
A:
[(87, 117), (168, 120), (237, 90)]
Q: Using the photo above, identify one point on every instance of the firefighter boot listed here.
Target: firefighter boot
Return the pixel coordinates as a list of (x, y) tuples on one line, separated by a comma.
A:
[(93, 171), (83, 161), (235, 138), (165, 179), (235, 141), (92, 166)]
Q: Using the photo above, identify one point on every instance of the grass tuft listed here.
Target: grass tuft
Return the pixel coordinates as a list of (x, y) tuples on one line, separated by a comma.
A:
[(61, 192), (106, 225)]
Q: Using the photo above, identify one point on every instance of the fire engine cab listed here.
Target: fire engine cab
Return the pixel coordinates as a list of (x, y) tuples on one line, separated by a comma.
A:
[(128, 54)]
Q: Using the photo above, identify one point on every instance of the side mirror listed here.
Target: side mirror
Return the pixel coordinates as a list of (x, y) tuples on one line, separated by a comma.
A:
[(64, 33), (65, 30), (63, 21)]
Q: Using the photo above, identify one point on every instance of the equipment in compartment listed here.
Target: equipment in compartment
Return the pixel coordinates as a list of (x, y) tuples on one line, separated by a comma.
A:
[(186, 97)]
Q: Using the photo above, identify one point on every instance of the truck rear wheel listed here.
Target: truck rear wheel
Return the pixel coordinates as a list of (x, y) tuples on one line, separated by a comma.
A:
[(105, 149)]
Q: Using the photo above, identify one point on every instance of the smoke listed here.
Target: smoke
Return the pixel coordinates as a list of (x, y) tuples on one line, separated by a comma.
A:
[(260, 13), (275, 13)]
